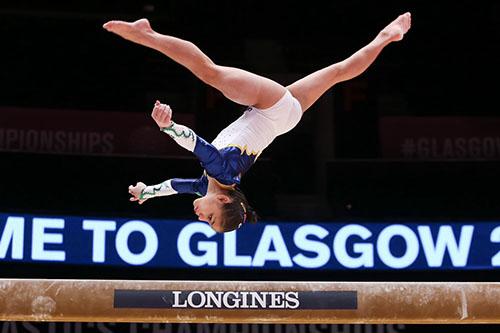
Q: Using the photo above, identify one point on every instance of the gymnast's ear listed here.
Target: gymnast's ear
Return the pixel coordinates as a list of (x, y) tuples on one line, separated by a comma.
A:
[(224, 198)]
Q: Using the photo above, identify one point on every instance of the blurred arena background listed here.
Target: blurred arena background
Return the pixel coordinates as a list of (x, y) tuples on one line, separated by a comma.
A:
[(414, 141)]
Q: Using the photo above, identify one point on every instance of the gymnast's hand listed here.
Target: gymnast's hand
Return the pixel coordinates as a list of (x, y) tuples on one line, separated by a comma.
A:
[(162, 114), (136, 191)]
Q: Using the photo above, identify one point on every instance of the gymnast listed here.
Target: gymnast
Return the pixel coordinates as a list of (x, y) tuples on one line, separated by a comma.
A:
[(272, 111)]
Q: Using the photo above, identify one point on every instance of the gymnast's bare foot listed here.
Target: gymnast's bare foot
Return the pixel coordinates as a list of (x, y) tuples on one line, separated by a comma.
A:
[(396, 29), (134, 31)]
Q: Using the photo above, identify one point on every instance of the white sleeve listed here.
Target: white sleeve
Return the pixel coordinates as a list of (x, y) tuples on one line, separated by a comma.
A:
[(159, 190), (183, 135)]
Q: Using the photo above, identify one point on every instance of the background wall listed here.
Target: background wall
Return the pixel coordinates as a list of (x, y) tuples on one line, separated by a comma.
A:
[(336, 165), (415, 138)]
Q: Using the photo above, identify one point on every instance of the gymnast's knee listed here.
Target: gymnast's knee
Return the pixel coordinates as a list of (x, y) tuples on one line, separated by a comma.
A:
[(210, 73)]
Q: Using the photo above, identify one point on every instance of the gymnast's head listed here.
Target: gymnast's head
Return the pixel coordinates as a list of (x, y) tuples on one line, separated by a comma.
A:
[(225, 211)]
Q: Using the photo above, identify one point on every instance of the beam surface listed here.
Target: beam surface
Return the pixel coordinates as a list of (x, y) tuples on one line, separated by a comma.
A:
[(248, 302)]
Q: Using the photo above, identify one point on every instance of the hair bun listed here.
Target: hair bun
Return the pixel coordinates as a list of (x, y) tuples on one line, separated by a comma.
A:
[(252, 216)]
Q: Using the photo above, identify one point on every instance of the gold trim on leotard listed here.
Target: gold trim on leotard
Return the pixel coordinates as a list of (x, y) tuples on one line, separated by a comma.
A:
[(244, 149)]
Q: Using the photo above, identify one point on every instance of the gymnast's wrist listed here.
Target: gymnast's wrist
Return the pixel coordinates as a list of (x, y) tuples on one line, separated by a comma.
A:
[(169, 126)]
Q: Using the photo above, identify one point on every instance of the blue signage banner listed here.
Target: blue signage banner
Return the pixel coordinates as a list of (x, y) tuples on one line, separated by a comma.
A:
[(376, 245)]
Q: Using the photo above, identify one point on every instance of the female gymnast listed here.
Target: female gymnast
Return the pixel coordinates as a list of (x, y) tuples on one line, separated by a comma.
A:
[(273, 110)]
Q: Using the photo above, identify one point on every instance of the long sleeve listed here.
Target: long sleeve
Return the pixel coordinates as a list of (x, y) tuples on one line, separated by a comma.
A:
[(192, 186), (209, 156), (183, 135), (158, 190), (176, 186)]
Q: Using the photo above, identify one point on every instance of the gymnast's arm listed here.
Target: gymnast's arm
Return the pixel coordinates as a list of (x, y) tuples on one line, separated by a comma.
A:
[(141, 192), (209, 156)]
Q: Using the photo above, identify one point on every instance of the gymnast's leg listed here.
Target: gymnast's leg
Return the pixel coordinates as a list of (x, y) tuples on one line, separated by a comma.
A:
[(308, 89), (240, 86)]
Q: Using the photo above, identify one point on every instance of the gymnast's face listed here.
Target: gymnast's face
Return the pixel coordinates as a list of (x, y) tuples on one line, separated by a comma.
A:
[(209, 209)]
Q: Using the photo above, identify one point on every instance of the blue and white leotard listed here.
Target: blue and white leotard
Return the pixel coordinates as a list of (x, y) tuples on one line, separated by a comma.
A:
[(234, 150)]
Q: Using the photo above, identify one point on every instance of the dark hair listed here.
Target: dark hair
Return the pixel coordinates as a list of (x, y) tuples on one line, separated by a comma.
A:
[(237, 212)]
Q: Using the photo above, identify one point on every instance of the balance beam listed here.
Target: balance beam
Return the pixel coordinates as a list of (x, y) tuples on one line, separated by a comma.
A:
[(249, 302)]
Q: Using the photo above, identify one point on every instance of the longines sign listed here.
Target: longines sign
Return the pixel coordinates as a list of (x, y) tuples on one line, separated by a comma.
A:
[(249, 300)]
